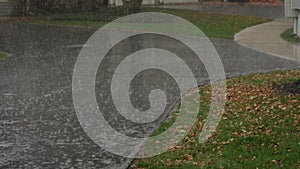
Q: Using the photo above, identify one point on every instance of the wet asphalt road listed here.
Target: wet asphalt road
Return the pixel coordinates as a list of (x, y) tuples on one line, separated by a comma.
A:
[(39, 127)]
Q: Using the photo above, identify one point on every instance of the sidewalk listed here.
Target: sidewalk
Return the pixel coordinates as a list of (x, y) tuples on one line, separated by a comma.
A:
[(266, 38)]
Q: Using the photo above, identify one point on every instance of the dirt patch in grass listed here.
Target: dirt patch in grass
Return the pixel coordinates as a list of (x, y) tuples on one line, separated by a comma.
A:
[(289, 88)]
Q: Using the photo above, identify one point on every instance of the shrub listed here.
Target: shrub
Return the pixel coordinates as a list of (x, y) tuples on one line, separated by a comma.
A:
[(26, 7)]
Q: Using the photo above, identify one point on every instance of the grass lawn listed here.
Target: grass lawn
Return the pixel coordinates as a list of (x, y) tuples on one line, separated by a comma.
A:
[(288, 36), (259, 129), (213, 25), (2, 55), (90, 24)]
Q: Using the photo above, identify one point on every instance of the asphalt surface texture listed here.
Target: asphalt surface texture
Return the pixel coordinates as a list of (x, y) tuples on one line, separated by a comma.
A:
[(39, 126)]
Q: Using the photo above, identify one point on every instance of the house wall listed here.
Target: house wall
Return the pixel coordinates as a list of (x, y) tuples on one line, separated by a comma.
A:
[(288, 9), (295, 4), (148, 2)]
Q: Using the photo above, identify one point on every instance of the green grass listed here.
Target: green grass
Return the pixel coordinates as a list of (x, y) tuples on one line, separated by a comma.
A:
[(76, 23), (213, 25), (259, 128), (288, 36), (2, 55)]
